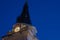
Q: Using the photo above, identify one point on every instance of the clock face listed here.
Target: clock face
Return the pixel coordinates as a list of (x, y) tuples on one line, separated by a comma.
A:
[(19, 27)]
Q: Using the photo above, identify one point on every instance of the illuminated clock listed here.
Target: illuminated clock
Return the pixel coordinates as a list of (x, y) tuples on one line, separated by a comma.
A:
[(19, 27)]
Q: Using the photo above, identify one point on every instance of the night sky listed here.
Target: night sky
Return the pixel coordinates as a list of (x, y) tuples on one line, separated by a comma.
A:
[(44, 14)]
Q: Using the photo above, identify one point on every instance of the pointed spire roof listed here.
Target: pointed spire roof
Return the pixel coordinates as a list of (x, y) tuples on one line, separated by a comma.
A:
[(24, 17)]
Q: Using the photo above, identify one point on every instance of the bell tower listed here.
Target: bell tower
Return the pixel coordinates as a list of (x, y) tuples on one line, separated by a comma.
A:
[(22, 29)]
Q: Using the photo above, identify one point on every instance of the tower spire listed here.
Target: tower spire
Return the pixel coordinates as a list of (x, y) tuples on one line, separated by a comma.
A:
[(24, 17)]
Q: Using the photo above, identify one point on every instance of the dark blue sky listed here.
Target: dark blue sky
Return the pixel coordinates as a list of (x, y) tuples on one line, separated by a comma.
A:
[(45, 16)]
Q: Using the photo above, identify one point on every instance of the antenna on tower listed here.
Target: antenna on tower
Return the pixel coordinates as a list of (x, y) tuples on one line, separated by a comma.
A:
[(26, 0)]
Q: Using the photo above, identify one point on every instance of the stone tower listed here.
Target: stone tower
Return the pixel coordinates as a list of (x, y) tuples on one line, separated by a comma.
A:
[(23, 27)]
